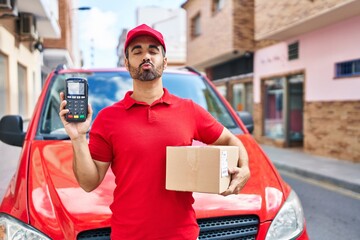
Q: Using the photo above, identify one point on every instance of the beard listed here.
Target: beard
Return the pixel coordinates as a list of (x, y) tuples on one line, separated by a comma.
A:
[(148, 74)]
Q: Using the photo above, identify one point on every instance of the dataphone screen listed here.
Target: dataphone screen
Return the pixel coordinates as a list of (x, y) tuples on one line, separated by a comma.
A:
[(76, 88)]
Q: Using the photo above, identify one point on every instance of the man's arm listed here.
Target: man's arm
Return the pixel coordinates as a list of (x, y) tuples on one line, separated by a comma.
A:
[(88, 172), (241, 174)]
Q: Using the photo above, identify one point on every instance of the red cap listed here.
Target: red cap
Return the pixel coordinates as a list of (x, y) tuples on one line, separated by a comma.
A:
[(144, 30)]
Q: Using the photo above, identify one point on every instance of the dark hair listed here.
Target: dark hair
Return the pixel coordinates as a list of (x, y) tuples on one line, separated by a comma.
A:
[(127, 52)]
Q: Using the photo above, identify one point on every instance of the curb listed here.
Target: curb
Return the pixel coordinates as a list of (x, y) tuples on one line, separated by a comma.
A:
[(320, 177)]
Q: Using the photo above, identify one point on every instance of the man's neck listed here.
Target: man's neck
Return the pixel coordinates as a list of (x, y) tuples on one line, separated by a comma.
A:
[(147, 92)]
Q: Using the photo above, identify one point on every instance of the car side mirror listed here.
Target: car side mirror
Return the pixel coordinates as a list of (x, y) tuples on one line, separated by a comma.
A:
[(11, 130), (247, 119)]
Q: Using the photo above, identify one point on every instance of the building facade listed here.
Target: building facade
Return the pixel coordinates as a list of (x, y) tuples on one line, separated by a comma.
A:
[(306, 84), (293, 64), (221, 43), (35, 36)]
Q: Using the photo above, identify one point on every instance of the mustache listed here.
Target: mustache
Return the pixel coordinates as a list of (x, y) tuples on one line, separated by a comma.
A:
[(147, 61)]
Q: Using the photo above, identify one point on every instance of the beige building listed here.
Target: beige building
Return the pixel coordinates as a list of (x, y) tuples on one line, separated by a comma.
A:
[(35, 36), (221, 43), (293, 64)]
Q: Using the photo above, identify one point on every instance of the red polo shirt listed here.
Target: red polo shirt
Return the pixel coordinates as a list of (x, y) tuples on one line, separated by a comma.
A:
[(133, 136)]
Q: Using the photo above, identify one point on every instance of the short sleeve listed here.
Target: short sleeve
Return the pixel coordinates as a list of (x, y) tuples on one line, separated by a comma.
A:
[(99, 143), (208, 129)]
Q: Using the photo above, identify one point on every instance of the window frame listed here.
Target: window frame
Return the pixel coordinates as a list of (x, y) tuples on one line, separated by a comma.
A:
[(5, 106), (293, 51), (23, 94), (217, 6), (354, 66), (196, 25)]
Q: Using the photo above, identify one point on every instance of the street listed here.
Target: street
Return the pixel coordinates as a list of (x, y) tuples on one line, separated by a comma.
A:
[(330, 211)]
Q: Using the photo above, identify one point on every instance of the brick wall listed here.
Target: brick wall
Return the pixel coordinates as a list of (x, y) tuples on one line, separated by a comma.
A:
[(258, 120), (216, 31), (333, 129), (222, 33), (272, 16), (243, 25)]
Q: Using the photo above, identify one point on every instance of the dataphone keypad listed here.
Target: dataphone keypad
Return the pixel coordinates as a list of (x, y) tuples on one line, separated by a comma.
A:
[(76, 105)]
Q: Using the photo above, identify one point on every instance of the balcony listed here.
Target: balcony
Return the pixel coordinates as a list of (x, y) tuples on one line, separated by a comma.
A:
[(46, 13), (341, 11)]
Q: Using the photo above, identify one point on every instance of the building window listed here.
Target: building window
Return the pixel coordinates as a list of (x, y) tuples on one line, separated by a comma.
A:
[(222, 89), (235, 67), (348, 69), (242, 97), (3, 85), (35, 89), (217, 5), (22, 90), (195, 26), (274, 114), (293, 51)]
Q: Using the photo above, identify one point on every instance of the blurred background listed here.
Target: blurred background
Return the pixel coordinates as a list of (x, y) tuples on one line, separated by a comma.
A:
[(295, 65)]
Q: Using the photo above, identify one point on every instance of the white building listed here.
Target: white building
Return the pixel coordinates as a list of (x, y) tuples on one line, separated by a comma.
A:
[(171, 23)]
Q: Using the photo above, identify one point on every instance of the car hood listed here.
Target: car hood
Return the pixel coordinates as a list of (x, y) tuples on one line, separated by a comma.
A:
[(57, 202)]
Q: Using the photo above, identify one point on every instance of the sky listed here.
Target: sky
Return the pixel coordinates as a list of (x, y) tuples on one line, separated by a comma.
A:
[(100, 27)]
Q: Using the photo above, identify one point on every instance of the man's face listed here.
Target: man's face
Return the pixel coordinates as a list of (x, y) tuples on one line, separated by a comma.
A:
[(146, 61)]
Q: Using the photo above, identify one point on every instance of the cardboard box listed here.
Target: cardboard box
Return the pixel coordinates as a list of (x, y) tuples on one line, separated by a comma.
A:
[(200, 168)]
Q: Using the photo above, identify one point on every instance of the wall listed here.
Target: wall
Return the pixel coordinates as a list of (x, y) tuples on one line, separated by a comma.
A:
[(65, 21), (273, 16), (216, 36), (22, 54), (331, 109), (243, 25), (333, 129), (319, 51)]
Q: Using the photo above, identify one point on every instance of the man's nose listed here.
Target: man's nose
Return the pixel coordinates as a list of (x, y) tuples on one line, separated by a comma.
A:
[(146, 59), (147, 56)]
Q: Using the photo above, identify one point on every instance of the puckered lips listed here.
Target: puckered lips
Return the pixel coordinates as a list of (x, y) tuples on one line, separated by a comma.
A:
[(146, 66)]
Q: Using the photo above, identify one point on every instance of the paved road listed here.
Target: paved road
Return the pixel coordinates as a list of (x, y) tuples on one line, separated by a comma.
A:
[(331, 212)]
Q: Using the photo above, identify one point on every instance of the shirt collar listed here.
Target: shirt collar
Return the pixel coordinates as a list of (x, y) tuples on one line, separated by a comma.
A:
[(129, 101)]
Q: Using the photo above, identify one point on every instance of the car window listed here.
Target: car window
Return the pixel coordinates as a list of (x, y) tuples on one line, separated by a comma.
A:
[(195, 88), (106, 88)]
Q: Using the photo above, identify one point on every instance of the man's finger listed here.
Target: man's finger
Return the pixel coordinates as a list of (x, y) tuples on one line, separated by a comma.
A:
[(234, 170), (62, 96)]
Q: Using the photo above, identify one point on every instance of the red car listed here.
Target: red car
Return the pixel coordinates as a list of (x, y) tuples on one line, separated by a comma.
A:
[(44, 200)]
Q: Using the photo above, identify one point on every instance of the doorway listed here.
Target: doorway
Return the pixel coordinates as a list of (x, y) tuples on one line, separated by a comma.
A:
[(284, 109), (295, 110)]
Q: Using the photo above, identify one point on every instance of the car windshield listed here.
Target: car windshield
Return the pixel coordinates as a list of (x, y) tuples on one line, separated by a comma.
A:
[(106, 88)]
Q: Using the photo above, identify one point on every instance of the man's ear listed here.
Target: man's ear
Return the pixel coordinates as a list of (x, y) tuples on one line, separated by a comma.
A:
[(126, 61), (165, 62)]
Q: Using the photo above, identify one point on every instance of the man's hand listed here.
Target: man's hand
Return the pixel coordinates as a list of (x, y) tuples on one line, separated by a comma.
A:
[(74, 130), (239, 177)]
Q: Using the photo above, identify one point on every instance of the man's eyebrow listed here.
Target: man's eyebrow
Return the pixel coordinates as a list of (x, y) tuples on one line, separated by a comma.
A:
[(151, 46), (135, 47), (154, 46)]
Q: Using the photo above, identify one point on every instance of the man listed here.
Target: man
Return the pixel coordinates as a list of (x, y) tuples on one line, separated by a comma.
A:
[(132, 136)]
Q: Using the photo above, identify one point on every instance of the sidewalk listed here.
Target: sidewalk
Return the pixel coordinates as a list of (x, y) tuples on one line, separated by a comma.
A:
[(341, 173)]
